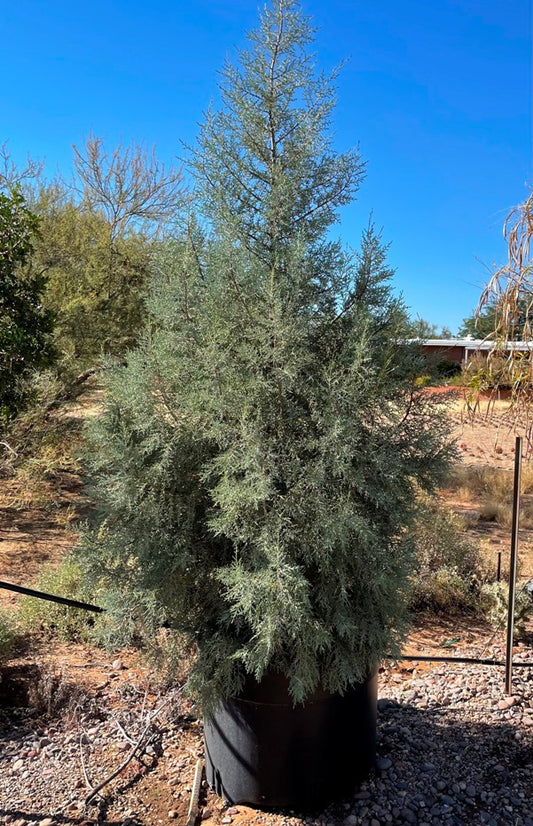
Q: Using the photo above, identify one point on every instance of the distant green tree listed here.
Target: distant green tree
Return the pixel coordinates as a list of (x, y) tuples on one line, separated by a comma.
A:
[(420, 328), (486, 322), (97, 234), (25, 325), (478, 326), (97, 239), (95, 283)]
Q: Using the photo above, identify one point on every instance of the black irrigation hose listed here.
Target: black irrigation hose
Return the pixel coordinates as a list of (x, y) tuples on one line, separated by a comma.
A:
[(73, 603), (472, 660)]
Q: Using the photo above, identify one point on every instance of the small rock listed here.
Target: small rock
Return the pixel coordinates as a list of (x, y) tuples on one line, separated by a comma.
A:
[(48, 821), (227, 819), (383, 764), (507, 702), (172, 814)]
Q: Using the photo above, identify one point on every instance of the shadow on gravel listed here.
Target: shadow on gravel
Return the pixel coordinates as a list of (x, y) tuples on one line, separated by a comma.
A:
[(435, 767)]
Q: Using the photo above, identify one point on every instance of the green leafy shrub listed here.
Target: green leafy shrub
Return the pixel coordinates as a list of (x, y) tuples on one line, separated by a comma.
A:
[(25, 326), (449, 570), (497, 371), (446, 369), (7, 634), (496, 605)]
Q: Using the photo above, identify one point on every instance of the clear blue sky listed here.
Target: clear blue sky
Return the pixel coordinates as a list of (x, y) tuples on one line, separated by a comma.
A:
[(437, 95)]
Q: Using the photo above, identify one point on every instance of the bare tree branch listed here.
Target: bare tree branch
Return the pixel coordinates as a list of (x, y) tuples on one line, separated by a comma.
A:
[(129, 184), (11, 175)]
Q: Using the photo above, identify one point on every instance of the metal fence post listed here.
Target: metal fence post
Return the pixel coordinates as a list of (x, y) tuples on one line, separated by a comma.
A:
[(512, 567)]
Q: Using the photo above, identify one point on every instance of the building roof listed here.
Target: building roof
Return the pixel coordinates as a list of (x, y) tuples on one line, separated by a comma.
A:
[(472, 344)]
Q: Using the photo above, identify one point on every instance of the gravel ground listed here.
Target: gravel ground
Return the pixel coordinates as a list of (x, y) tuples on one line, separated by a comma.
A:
[(453, 749)]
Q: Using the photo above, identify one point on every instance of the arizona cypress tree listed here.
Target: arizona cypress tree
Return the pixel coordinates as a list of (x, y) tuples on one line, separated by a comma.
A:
[(256, 465)]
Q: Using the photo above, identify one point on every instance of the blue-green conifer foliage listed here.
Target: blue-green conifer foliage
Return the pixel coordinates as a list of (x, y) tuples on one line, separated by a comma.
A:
[(256, 465)]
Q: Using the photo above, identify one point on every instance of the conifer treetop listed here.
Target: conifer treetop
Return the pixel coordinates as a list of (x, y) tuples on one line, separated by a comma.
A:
[(265, 162)]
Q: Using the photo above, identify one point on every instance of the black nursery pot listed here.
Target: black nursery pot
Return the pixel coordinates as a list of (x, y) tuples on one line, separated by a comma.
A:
[(262, 750)]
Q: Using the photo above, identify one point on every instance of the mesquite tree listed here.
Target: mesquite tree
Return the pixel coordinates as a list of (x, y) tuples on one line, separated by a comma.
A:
[(256, 465)]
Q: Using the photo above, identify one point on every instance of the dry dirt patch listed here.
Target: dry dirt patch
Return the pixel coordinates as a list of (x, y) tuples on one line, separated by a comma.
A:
[(36, 516)]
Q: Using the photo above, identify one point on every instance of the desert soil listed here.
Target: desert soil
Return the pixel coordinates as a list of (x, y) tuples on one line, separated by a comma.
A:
[(67, 711)]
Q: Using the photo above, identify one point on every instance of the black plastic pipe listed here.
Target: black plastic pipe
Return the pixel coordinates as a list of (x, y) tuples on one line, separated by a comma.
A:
[(85, 606), (73, 603), (472, 660)]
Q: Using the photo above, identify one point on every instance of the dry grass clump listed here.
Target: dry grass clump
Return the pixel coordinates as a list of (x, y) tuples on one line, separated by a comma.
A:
[(50, 691), (494, 511), (61, 621), (473, 481), (39, 452), (492, 490)]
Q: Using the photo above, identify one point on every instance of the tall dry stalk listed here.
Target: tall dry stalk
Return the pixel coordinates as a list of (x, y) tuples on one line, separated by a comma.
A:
[(510, 293), (510, 290)]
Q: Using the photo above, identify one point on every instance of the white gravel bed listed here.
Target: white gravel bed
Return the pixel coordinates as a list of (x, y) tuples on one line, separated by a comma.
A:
[(453, 749)]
